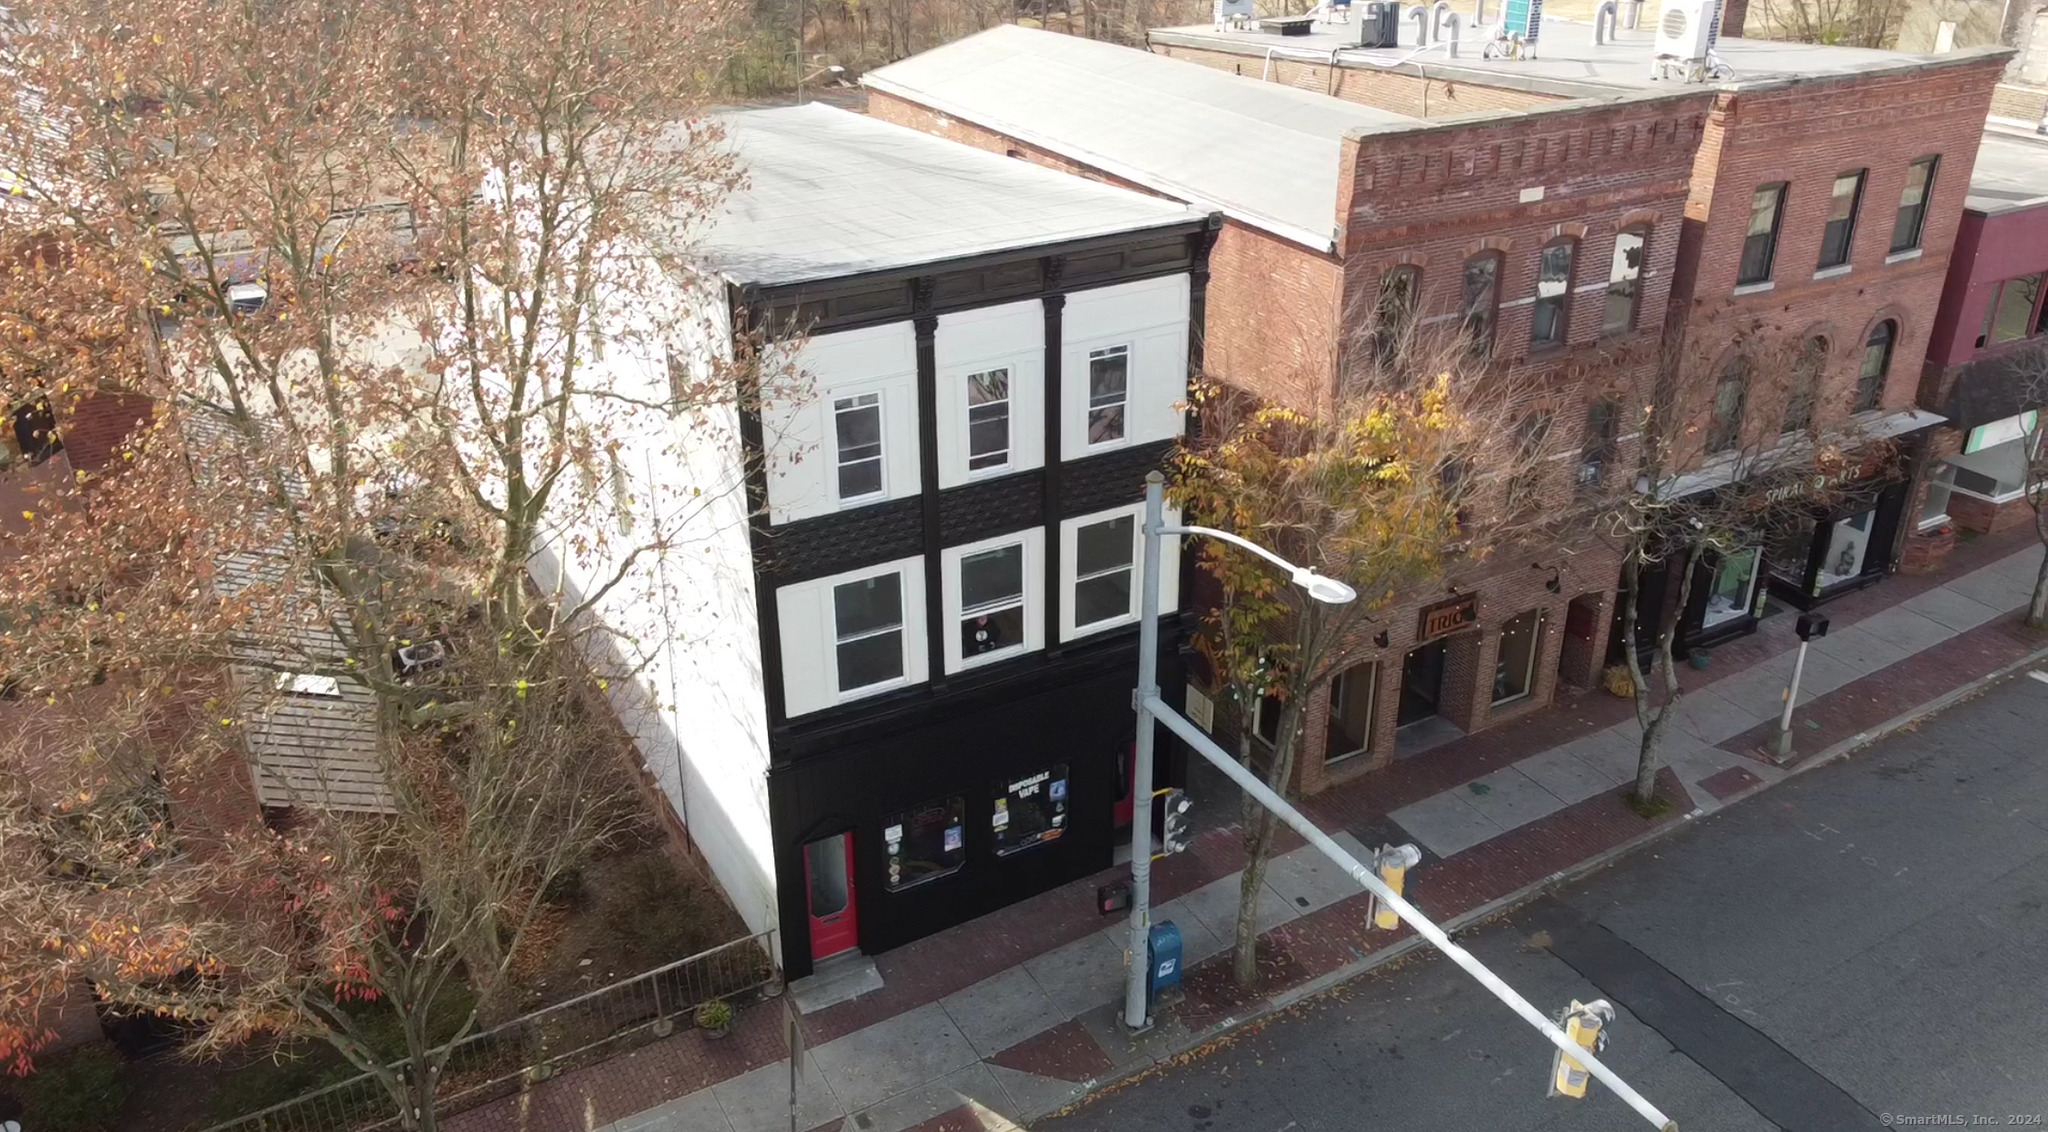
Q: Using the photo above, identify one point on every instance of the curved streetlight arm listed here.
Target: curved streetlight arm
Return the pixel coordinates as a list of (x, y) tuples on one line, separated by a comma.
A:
[(1321, 587)]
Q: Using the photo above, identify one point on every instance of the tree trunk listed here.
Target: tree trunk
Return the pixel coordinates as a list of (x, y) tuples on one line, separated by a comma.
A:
[(1647, 760), (2037, 609), (1260, 828), (1244, 950)]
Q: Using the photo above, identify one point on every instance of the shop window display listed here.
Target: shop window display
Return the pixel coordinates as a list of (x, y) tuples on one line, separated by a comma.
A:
[(1030, 811), (1733, 589), (926, 843)]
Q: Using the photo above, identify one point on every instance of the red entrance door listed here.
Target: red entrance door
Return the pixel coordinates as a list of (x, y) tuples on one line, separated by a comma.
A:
[(828, 883)]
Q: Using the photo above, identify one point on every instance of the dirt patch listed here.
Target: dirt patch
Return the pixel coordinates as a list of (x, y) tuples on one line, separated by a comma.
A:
[(630, 911)]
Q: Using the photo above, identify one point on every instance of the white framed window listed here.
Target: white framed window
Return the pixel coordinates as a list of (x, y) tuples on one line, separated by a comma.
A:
[(992, 603), (1109, 394), (1105, 571), (867, 633), (988, 420), (1101, 567), (1940, 486), (857, 437), (852, 635)]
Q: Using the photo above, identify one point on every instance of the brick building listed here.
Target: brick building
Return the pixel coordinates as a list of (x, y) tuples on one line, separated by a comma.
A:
[(1987, 358), (1826, 193), (1550, 234)]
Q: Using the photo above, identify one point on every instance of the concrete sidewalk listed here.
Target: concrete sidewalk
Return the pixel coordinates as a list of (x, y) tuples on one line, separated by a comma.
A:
[(1000, 1021)]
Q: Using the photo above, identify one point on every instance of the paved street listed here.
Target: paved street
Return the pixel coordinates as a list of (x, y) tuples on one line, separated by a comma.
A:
[(1864, 940)]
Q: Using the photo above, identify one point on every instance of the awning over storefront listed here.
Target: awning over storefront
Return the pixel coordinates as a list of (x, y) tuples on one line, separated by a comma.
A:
[(1720, 471)]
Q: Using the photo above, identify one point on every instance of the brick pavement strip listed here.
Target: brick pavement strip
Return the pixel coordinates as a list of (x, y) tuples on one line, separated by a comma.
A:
[(1322, 946)]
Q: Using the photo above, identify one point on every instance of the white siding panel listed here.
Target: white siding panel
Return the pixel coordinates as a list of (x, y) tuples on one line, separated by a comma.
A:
[(810, 659), (1011, 335), (797, 427), (1151, 318)]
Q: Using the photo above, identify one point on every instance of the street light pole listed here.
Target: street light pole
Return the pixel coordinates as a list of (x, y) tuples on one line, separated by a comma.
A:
[(1135, 1015), (1150, 707)]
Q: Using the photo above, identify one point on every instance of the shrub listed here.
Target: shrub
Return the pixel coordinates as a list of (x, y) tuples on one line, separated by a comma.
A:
[(714, 1015), (80, 1090)]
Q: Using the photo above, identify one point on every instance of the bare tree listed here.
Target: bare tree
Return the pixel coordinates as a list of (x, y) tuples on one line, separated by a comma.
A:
[(376, 268), (2031, 367), (1730, 453), (1842, 23)]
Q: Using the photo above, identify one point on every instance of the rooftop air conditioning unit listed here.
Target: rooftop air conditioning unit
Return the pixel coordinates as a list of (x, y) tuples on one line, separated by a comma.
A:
[(1685, 30)]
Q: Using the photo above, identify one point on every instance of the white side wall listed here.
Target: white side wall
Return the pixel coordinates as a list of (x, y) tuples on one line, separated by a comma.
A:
[(1151, 318), (682, 639), (797, 428), (1012, 336)]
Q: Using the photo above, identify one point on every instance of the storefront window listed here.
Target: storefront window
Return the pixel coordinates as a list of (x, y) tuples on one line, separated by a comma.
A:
[(1030, 811), (1940, 483), (1848, 545), (1351, 702), (926, 843), (1515, 663), (1733, 590)]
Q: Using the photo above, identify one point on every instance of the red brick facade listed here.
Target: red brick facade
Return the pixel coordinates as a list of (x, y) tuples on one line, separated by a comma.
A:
[(1803, 133), (1430, 197)]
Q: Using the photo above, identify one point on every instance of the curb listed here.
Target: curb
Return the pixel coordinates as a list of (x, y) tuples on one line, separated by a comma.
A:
[(1292, 996)]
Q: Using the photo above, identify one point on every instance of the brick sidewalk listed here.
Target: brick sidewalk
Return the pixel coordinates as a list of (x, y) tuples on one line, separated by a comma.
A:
[(1013, 1015)]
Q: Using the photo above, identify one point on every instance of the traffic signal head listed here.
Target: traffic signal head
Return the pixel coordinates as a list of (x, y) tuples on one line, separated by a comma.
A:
[(1586, 1024), (1173, 831), (1392, 863)]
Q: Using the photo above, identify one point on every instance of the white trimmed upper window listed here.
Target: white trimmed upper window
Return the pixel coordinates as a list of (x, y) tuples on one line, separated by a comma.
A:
[(1101, 566), (988, 420), (992, 600), (1105, 571), (1109, 394), (852, 635), (867, 633), (857, 436)]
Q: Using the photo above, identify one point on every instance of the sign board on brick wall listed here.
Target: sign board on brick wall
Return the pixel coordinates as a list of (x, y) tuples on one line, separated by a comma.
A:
[(1447, 617), (1200, 711)]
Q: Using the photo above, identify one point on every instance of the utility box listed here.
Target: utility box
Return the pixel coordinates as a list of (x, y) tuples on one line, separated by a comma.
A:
[(1162, 971), (1380, 24)]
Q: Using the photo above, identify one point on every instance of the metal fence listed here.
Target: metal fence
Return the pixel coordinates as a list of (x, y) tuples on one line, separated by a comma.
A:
[(533, 1047)]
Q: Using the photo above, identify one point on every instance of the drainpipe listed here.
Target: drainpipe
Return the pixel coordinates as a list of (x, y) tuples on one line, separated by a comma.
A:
[(1603, 22), (1330, 85), (1421, 18), (1266, 72)]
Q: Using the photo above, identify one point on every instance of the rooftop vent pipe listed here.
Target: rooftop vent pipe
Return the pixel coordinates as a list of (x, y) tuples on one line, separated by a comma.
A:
[(1451, 44), (1479, 14), (1632, 14), (1603, 22), (1421, 18), (1437, 12)]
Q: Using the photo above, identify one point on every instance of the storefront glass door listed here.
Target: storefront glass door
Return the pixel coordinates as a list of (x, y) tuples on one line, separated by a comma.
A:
[(1422, 681)]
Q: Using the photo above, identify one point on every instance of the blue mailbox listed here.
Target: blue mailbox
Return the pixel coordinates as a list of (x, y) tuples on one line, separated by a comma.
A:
[(1162, 974)]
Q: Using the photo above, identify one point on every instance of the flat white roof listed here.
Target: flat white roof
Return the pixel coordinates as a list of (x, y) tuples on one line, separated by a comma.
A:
[(2011, 172), (829, 194), (1262, 153), (1568, 63)]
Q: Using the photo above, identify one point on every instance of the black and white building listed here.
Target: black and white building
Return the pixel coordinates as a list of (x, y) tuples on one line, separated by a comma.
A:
[(888, 688)]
